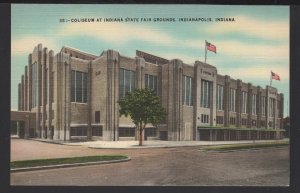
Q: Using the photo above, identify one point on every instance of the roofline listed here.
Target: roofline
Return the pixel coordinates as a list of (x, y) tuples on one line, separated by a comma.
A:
[(77, 50)]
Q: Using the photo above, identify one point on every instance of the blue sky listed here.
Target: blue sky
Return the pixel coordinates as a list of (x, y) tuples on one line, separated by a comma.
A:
[(248, 48)]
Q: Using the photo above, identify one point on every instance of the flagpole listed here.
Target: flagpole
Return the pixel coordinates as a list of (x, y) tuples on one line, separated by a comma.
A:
[(205, 51), (271, 79)]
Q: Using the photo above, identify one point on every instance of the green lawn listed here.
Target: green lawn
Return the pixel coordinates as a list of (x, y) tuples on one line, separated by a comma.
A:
[(245, 146), (69, 160)]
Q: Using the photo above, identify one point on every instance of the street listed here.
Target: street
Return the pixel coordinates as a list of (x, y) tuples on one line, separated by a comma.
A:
[(185, 166)]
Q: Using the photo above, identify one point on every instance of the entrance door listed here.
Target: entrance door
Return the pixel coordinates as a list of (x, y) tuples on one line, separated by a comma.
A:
[(21, 125)]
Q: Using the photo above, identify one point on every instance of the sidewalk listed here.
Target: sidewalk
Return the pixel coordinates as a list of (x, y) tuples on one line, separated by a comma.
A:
[(151, 144)]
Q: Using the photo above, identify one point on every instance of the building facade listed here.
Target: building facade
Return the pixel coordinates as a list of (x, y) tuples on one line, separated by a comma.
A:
[(74, 96)]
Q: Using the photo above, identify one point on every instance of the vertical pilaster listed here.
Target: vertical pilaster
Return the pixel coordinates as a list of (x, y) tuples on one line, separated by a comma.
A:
[(26, 89), (259, 106), (226, 100), (29, 82), (44, 92), (267, 106), (57, 96), (89, 93), (281, 110), (249, 105), (22, 93), (39, 87), (19, 97), (140, 76), (196, 100), (213, 102), (174, 110), (111, 128), (238, 105), (50, 95)]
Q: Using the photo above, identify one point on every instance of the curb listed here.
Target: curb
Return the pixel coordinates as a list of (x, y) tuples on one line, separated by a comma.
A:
[(141, 147), (249, 149), (67, 165)]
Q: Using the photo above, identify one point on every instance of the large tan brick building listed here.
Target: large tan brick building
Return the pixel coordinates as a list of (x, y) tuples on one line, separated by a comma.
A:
[(74, 95)]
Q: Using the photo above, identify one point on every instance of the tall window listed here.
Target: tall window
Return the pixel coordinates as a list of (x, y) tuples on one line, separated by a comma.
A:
[(263, 106), (244, 102), (219, 97), (151, 82), (79, 87), (205, 94), (52, 87), (187, 94), (254, 104), (271, 107), (232, 94), (97, 116), (126, 82)]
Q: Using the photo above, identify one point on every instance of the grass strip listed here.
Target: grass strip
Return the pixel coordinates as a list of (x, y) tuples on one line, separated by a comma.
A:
[(245, 146), (69, 160)]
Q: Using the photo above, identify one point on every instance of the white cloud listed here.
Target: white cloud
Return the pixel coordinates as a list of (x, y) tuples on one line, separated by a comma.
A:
[(259, 28), (26, 45), (256, 72), (117, 32), (245, 50), (259, 70)]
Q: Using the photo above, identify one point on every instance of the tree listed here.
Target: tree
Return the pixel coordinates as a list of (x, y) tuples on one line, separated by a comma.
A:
[(144, 107)]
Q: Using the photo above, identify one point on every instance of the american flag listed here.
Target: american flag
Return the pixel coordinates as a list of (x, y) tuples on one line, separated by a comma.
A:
[(211, 47), (275, 76)]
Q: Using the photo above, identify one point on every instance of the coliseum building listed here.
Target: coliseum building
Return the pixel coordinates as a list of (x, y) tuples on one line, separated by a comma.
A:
[(73, 96)]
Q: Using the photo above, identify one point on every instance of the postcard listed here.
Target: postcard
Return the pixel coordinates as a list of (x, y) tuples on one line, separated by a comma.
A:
[(150, 95)]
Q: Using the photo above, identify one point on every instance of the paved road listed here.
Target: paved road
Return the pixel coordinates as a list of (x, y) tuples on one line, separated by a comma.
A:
[(158, 166)]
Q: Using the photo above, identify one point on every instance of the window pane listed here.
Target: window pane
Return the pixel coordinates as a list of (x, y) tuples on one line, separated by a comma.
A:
[(78, 87), (97, 117), (155, 84), (208, 94), (73, 86), (151, 82), (127, 81), (84, 90), (132, 85), (187, 95), (121, 84), (146, 81)]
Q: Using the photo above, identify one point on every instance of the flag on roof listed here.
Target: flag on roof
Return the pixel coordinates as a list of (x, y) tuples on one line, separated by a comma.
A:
[(275, 76), (211, 47)]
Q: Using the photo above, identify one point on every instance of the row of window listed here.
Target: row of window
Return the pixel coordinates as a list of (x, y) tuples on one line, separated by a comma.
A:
[(123, 131), (82, 131), (232, 121), (244, 98), (127, 84), (130, 132)]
